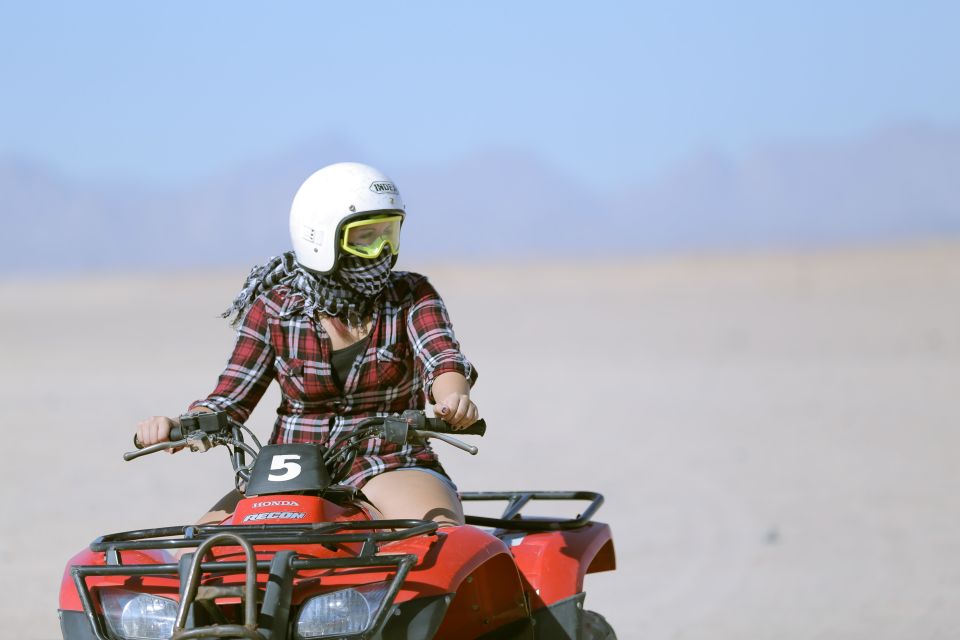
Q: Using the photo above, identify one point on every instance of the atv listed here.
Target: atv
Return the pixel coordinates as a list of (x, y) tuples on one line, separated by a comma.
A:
[(301, 558)]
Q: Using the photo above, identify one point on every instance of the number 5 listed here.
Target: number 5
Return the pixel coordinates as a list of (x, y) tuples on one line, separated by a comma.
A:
[(283, 462)]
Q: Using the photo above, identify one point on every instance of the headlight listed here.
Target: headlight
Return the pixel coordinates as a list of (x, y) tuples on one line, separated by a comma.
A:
[(341, 612), (138, 616)]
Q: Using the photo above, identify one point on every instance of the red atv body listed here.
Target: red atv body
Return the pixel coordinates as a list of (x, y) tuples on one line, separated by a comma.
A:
[(300, 566)]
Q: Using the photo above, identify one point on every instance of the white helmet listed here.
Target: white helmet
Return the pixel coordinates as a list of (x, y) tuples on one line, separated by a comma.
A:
[(330, 198)]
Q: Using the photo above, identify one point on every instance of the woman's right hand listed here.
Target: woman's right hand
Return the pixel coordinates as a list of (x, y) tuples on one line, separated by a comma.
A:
[(154, 430)]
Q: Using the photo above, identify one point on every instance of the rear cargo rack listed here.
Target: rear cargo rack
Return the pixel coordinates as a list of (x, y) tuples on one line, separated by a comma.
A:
[(274, 612), (512, 518)]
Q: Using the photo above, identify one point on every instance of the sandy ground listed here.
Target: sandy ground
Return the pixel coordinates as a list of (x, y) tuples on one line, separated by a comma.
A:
[(776, 435)]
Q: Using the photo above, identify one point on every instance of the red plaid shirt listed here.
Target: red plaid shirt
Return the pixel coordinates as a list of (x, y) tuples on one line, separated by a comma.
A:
[(411, 343)]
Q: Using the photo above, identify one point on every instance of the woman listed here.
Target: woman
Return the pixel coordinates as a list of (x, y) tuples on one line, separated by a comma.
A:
[(346, 338)]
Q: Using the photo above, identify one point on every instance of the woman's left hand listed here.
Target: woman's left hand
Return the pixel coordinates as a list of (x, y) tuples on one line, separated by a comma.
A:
[(457, 410)]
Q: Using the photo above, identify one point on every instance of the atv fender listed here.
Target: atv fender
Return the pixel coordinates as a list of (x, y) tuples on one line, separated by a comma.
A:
[(477, 569), (554, 563)]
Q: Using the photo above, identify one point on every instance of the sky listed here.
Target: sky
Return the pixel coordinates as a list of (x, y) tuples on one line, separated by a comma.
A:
[(169, 93)]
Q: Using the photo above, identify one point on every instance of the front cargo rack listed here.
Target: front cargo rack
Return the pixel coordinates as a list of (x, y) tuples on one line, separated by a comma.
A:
[(273, 616), (370, 532)]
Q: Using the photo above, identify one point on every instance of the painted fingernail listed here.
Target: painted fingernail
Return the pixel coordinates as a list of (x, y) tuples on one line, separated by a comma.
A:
[(443, 410)]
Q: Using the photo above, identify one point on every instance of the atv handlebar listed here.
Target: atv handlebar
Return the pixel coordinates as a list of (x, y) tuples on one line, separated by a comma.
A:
[(200, 431), (176, 435), (437, 428), (436, 425)]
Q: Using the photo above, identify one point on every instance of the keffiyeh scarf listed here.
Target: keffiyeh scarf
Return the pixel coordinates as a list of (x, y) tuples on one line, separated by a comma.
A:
[(348, 293)]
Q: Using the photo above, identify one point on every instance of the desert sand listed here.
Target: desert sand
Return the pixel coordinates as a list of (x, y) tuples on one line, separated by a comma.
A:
[(776, 435)]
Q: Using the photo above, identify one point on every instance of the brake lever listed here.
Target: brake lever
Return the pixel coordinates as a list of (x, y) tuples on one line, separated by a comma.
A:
[(195, 441), (454, 442), (160, 446)]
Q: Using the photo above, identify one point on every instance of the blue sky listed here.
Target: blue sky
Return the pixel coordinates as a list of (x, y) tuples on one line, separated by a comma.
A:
[(168, 93)]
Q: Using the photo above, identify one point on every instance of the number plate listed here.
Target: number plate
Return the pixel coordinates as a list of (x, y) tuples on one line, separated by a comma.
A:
[(284, 468)]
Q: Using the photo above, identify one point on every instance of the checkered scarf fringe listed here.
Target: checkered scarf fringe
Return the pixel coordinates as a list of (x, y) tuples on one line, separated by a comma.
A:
[(349, 293)]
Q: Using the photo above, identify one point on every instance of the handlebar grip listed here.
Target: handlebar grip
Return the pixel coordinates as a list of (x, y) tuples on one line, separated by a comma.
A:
[(437, 425), (176, 433)]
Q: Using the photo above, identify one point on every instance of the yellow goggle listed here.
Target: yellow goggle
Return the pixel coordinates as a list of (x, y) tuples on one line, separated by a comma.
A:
[(367, 238)]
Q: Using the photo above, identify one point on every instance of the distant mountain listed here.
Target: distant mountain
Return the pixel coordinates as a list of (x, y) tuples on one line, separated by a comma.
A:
[(898, 183)]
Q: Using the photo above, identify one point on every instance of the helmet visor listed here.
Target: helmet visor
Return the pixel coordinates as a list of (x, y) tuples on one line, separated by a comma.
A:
[(367, 238)]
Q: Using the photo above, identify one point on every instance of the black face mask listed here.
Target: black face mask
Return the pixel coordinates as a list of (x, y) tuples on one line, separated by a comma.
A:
[(366, 276)]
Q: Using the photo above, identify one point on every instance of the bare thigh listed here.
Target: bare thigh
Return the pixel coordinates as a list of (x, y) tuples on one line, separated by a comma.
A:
[(411, 494)]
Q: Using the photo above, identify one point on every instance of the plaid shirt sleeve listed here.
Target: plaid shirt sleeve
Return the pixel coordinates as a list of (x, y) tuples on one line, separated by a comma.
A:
[(435, 347), (249, 371)]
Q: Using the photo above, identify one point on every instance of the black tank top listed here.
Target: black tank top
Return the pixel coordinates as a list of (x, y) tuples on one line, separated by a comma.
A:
[(341, 361)]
